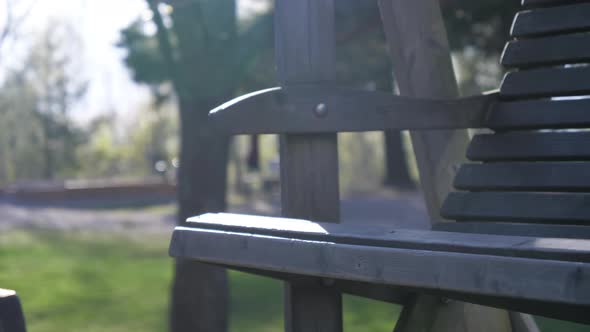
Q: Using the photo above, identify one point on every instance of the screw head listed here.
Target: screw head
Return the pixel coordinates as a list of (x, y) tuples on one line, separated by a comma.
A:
[(321, 110)]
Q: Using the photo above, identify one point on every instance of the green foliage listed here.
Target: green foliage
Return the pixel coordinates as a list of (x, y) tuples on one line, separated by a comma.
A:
[(21, 135), (133, 151), (143, 56), (483, 24), (207, 57), (38, 139)]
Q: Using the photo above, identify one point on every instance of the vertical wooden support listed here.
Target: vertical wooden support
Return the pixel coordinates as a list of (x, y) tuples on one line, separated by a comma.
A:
[(422, 65), (304, 46)]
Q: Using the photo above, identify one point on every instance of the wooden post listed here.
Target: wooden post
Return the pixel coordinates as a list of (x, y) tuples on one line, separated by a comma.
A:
[(304, 46), (422, 65)]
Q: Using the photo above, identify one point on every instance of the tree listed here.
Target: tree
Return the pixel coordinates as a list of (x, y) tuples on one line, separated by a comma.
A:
[(15, 14), (38, 139), (196, 49), (20, 132), (54, 74)]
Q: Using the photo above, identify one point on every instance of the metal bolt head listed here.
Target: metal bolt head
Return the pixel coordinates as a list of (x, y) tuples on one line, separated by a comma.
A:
[(445, 300), (320, 110)]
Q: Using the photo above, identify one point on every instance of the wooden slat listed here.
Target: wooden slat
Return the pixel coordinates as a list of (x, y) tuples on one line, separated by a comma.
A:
[(537, 114), (405, 295), (553, 20), (565, 49), (514, 229), (389, 294), (524, 176), (530, 146), (546, 82), (559, 208), (392, 237), (529, 279), (543, 3)]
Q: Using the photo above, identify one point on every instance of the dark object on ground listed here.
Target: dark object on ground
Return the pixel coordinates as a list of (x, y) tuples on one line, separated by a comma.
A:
[(12, 318)]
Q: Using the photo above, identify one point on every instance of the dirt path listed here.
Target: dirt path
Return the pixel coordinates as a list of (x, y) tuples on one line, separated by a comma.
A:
[(406, 209)]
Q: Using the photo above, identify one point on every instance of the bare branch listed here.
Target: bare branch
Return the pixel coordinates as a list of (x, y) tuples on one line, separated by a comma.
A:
[(8, 24), (13, 21)]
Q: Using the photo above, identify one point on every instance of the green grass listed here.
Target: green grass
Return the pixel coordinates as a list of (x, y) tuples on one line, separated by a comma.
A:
[(104, 282)]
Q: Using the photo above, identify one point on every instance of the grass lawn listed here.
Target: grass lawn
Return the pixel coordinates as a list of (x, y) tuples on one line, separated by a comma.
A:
[(104, 282)]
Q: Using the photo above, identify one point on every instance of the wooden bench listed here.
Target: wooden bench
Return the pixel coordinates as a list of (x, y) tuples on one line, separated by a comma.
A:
[(515, 233)]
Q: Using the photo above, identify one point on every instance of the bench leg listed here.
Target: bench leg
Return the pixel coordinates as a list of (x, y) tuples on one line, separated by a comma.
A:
[(431, 314), (523, 322), (312, 308)]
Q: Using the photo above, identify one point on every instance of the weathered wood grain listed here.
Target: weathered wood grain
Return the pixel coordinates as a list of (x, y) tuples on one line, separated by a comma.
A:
[(304, 50), (393, 237), (546, 82), (533, 146), (403, 295), (540, 280), (421, 60), (422, 66), (515, 229), (563, 49), (558, 208), (293, 110), (541, 3), (539, 114), (384, 293), (552, 20), (524, 176)]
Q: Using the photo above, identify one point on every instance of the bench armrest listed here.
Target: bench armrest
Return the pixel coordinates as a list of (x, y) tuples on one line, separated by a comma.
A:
[(321, 109)]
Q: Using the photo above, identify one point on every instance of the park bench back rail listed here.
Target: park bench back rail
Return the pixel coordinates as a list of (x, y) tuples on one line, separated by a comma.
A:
[(516, 230)]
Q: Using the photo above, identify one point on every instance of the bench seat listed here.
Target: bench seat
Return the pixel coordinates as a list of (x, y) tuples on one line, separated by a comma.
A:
[(542, 271)]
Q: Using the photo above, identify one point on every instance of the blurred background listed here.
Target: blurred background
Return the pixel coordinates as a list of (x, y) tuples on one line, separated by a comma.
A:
[(104, 148)]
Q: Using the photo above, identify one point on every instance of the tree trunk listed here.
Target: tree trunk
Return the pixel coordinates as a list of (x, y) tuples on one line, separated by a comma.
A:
[(205, 34), (200, 292), (396, 170), (48, 170), (254, 154)]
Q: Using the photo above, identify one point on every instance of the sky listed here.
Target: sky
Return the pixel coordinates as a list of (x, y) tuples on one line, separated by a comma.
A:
[(98, 23)]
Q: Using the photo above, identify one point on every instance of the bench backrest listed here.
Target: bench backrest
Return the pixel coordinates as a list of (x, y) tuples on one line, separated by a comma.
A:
[(535, 167)]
